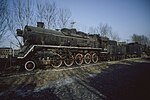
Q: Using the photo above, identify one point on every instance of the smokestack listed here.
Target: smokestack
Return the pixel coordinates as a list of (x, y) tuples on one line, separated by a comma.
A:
[(40, 24)]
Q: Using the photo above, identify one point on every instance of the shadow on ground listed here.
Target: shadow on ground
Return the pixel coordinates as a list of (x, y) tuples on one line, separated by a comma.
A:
[(124, 82)]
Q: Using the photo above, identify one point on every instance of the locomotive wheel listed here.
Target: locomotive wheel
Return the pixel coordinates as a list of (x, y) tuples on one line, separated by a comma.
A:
[(94, 58), (69, 61), (87, 58), (79, 59), (30, 65), (56, 61)]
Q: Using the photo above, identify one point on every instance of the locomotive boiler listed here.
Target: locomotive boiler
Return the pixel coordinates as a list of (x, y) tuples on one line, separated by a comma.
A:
[(65, 37), (54, 48)]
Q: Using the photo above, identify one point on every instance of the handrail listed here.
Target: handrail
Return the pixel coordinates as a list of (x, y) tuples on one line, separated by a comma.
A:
[(52, 46)]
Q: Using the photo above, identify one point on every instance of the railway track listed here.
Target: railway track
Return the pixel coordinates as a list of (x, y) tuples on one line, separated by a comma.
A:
[(63, 68), (38, 71)]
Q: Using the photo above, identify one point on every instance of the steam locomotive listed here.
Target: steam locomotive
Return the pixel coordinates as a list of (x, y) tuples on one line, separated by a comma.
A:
[(67, 47)]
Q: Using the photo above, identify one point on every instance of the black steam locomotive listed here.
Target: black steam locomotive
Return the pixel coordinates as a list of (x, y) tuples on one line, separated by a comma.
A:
[(67, 47), (44, 47)]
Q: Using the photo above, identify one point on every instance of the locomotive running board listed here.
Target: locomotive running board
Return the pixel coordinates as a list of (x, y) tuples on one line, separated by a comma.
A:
[(68, 47), (52, 46), (21, 57)]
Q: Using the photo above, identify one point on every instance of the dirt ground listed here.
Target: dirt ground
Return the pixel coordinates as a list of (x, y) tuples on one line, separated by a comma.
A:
[(116, 80)]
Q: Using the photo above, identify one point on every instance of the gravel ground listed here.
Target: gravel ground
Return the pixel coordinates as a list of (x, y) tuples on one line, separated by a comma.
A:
[(118, 80)]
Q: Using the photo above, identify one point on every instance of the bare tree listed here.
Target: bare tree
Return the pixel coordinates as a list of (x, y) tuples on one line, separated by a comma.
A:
[(63, 17), (18, 10), (50, 14), (19, 15), (23, 10), (134, 38), (114, 36), (12, 29), (47, 12), (104, 30), (101, 29), (3, 14), (40, 11), (29, 12), (92, 30), (142, 39)]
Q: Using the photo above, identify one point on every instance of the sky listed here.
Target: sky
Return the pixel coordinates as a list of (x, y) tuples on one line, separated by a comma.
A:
[(124, 16)]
